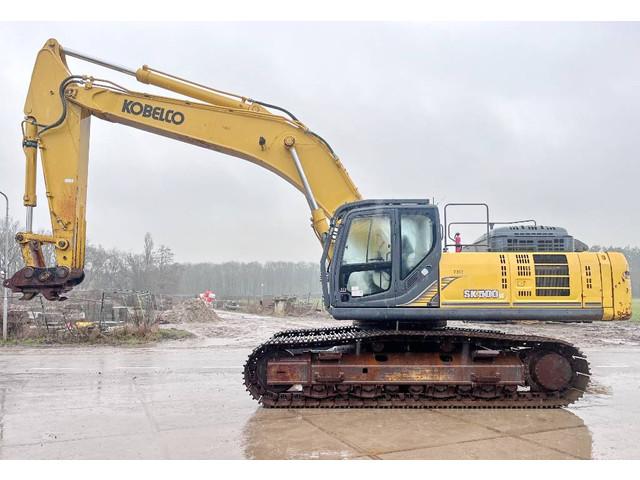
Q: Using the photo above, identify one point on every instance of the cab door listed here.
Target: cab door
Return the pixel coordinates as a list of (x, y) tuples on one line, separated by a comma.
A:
[(365, 267), (420, 247)]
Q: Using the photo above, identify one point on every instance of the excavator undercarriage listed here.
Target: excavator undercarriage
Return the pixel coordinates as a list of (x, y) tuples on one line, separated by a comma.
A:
[(356, 366)]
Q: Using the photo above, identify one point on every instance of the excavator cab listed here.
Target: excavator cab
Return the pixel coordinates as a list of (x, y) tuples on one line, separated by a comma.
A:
[(385, 253)]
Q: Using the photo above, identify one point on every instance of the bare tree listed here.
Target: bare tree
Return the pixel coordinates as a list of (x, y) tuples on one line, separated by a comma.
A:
[(15, 257)]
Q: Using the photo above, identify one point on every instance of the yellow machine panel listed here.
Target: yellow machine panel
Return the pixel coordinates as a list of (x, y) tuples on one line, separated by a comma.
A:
[(621, 282), (587, 280)]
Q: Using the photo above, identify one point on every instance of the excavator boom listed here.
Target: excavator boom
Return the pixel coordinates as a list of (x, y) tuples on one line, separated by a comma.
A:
[(58, 113)]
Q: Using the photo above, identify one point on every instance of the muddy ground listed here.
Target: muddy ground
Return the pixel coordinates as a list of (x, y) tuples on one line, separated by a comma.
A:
[(251, 329), (185, 399)]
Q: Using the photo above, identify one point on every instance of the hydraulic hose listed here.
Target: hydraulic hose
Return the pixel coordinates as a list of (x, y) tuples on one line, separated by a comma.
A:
[(63, 86)]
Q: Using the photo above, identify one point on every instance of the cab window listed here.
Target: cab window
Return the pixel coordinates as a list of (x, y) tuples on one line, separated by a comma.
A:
[(417, 236), (366, 261)]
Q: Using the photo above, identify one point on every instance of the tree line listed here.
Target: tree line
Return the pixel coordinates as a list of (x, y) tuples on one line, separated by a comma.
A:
[(155, 269)]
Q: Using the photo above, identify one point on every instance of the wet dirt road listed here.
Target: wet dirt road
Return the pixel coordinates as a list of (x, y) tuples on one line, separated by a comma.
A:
[(185, 399)]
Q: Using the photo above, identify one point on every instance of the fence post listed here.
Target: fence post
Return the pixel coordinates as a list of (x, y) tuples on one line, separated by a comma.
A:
[(44, 314), (101, 321)]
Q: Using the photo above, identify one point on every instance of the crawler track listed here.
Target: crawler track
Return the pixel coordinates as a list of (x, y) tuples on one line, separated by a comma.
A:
[(335, 394)]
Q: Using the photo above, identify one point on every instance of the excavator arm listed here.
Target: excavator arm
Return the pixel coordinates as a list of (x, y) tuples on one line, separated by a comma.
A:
[(58, 113)]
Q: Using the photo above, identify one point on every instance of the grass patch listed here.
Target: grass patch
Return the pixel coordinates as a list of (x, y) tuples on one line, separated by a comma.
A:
[(120, 336), (126, 336), (174, 334), (635, 309)]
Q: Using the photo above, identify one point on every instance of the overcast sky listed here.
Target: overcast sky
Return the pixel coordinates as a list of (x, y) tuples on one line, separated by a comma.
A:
[(538, 120)]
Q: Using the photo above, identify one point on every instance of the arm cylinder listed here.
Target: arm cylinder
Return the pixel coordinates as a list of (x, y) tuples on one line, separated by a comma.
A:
[(151, 77), (163, 80), (97, 61)]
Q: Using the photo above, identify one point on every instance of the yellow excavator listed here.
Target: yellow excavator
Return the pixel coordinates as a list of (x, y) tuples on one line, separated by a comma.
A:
[(385, 264)]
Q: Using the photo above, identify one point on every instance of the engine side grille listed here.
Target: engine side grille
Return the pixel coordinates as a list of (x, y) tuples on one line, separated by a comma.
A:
[(552, 275)]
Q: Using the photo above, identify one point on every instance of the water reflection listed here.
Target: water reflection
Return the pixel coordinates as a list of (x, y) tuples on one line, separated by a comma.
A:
[(415, 434)]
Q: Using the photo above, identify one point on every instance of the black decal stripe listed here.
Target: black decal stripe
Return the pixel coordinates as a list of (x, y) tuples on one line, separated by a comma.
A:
[(548, 304)]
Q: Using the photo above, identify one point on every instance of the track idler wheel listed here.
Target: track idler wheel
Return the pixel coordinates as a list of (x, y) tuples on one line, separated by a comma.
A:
[(551, 371)]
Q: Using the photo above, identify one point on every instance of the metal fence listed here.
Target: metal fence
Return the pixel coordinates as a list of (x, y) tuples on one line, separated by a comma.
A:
[(101, 310)]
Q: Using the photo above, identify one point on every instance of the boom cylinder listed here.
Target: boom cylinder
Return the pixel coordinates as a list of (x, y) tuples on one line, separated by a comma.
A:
[(319, 220), (313, 205)]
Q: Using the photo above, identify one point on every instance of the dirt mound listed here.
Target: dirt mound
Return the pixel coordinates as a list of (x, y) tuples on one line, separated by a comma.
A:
[(192, 310)]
